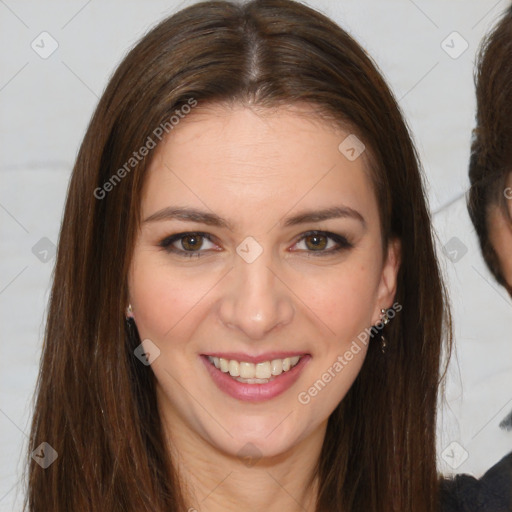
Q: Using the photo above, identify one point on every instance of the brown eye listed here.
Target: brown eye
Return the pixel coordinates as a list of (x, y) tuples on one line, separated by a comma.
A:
[(316, 242), (322, 243), (192, 242), (189, 244)]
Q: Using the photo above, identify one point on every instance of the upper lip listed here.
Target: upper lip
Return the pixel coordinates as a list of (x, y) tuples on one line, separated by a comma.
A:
[(267, 356)]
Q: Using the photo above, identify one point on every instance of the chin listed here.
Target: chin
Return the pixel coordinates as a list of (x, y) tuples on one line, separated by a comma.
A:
[(263, 437)]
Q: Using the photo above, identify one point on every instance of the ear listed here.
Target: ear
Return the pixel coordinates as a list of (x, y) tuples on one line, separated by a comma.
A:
[(387, 287)]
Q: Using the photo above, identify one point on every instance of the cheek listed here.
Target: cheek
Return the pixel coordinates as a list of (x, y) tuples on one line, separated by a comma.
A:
[(163, 299), (344, 299)]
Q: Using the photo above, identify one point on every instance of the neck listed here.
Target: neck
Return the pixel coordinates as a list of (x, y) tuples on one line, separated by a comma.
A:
[(216, 481)]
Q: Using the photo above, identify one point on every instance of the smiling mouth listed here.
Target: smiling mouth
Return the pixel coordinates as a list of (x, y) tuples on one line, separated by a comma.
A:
[(254, 373)]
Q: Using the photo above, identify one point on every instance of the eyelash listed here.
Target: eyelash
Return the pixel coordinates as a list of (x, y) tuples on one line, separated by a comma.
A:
[(341, 241)]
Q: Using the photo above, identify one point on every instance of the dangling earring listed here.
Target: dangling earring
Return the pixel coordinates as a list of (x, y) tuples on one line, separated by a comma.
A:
[(131, 328), (385, 320)]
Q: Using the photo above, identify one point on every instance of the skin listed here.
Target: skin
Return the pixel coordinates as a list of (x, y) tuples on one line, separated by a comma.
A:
[(500, 233), (255, 168)]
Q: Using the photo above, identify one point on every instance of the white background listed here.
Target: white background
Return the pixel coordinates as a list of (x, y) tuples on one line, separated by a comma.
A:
[(45, 105)]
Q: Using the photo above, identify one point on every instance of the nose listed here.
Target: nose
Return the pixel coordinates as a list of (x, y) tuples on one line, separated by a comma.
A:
[(256, 300)]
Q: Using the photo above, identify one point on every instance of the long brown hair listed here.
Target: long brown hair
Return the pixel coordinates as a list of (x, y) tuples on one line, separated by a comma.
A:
[(491, 149), (96, 404)]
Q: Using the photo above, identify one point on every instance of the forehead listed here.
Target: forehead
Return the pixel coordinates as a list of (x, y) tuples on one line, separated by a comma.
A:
[(235, 157)]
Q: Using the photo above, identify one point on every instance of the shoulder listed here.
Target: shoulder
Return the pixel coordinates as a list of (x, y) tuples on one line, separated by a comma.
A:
[(490, 493)]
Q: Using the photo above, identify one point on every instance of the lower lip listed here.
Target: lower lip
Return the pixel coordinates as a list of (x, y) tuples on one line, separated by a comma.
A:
[(255, 392)]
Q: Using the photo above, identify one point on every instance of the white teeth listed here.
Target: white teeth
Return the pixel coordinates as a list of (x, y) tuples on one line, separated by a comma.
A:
[(276, 366), (252, 381), (234, 368), (251, 373), (224, 365), (247, 370), (263, 370)]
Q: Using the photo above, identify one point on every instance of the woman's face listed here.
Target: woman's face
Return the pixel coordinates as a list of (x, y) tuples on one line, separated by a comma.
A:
[(260, 244)]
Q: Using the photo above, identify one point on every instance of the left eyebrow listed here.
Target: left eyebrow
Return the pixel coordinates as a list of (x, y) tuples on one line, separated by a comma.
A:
[(336, 212)]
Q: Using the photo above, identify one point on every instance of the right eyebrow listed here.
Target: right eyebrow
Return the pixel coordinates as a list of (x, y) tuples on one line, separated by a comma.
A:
[(189, 214)]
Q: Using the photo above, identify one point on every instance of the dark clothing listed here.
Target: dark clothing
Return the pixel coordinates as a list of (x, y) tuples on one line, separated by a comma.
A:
[(490, 493)]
